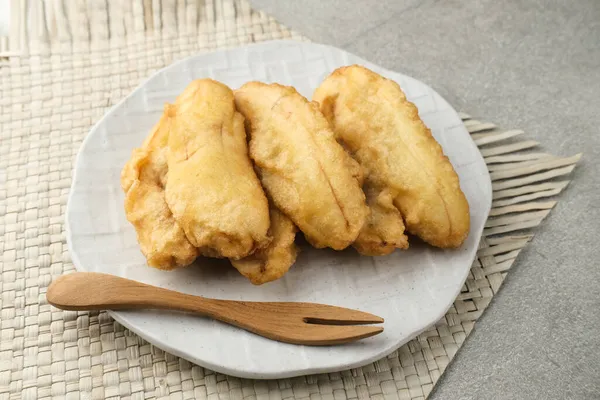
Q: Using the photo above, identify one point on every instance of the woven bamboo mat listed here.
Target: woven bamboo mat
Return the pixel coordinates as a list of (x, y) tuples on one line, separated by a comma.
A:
[(63, 65)]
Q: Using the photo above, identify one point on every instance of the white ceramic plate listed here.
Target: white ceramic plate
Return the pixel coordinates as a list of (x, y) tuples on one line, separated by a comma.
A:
[(410, 289)]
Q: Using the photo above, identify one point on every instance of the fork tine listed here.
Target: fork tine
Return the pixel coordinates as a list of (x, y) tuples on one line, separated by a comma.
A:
[(332, 315), (321, 335)]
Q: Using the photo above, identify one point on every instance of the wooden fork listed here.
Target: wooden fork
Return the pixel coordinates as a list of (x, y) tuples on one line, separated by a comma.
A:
[(298, 323)]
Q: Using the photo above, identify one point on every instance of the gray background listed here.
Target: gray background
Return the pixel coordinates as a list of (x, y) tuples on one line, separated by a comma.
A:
[(528, 64)]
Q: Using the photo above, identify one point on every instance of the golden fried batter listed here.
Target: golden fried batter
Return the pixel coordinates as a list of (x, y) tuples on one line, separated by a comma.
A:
[(212, 189), (161, 239), (384, 230), (308, 175), (371, 117), (275, 260)]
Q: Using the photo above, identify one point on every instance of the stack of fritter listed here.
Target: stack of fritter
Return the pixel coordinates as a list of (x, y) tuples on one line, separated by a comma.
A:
[(350, 168)]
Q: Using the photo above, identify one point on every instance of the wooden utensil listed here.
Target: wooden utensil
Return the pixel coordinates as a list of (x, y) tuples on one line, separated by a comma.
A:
[(298, 323)]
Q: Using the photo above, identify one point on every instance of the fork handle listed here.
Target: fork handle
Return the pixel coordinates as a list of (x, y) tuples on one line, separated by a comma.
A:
[(95, 291)]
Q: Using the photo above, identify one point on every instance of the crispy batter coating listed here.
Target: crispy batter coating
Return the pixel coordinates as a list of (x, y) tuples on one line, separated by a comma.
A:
[(212, 189), (275, 260), (161, 239), (308, 175), (384, 230), (371, 117)]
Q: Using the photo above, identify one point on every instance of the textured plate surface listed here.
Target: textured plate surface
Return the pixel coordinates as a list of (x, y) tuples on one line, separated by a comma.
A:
[(411, 289)]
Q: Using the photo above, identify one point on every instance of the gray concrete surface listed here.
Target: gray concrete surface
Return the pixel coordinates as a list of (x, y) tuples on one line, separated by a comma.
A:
[(529, 64)]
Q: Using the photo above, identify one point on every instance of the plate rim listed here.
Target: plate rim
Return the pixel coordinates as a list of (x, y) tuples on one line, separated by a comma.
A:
[(120, 316)]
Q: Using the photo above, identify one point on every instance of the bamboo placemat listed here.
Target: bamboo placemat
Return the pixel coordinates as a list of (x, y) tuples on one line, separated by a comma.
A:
[(63, 65)]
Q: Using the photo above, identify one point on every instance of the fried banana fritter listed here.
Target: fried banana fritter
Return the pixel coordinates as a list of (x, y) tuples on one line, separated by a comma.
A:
[(384, 230), (371, 117), (275, 260), (309, 176), (212, 188), (161, 239)]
